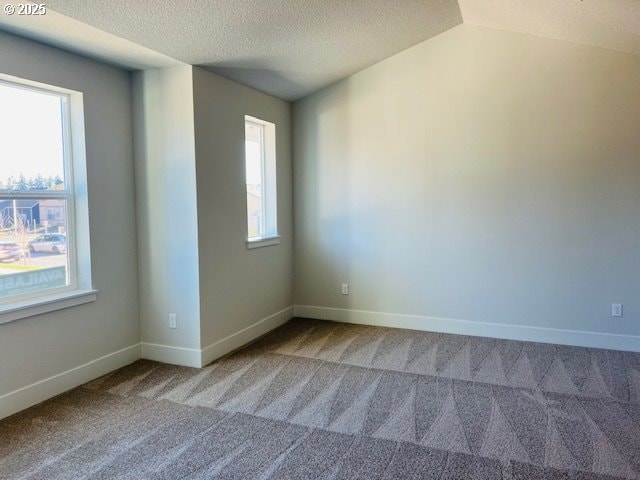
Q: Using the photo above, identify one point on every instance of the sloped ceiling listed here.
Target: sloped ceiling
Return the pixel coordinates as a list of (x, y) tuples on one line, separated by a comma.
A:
[(290, 48), (65, 32), (613, 24)]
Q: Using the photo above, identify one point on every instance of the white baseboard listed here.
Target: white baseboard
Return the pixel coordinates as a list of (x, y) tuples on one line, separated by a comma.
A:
[(246, 335), (558, 336), (187, 357), (35, 393), (193, 357)]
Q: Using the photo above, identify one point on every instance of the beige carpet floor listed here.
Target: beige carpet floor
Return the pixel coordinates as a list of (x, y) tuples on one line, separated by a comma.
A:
[(322, 400)]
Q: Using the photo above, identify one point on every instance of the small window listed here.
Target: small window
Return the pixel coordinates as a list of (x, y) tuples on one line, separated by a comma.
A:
[(38, 204), (260, 165)]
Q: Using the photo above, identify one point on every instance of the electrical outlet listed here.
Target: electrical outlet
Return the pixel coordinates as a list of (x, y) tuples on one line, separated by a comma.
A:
[(616, 309), (173, 323), (345, 289)]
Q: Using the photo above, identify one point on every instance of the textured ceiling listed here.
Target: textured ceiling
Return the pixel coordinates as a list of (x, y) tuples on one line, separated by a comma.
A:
[(613, 24), (288, 48), (62, 31)]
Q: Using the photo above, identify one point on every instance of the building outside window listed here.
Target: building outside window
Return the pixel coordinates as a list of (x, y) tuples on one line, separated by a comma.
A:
[(41, 173)]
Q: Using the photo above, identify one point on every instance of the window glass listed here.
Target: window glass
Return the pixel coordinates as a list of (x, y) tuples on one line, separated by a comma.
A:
[(31, 139), (35, 200), (260, 169), (255, 194)]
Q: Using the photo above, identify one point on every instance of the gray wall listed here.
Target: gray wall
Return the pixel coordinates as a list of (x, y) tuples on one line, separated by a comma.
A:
[(35, 348), (167, 208), (481, 175), (238, 287)]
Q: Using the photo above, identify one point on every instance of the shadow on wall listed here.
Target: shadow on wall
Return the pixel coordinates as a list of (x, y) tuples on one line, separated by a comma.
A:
[(265, 79), (354, 203), (322, 200), (437, 187)]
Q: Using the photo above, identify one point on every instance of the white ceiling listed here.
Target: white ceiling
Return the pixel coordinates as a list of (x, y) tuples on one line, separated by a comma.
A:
[(62, 31), (290, 48), (613, 24)]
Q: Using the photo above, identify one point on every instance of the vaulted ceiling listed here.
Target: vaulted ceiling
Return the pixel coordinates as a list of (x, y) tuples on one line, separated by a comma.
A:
[(290, 48), (613, 24)]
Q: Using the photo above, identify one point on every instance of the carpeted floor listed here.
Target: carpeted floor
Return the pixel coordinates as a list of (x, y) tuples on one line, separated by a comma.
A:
[(322, 400)]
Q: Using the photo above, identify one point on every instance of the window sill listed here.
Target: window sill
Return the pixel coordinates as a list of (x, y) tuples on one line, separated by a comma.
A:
[(263, 242), (37, 306)]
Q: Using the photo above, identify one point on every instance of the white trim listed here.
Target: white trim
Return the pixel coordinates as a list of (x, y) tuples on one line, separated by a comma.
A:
[(187, 357), (268, 227), (42, 390), (558, 336), (76, 203), (246, 335), (39, 305), (193, 357), (262, 241)]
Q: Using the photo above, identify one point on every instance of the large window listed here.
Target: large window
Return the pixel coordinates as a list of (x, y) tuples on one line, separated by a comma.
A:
[(260, 159), (38, 237)]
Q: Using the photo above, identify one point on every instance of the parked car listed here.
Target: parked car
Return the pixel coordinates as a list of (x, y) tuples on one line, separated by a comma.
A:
[(51, 242), (10, 251)]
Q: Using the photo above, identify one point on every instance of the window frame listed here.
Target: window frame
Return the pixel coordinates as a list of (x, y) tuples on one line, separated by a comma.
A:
[(79, 288), (269, 202)]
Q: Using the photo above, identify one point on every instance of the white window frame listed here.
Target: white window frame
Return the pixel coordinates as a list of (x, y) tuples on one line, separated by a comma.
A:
[(79, 289), (269, 218)]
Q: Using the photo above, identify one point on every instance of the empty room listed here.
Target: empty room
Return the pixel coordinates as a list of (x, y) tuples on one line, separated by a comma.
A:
[(324, 240)]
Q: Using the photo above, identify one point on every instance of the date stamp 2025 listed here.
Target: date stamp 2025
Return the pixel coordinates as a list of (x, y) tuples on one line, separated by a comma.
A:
[(25, 9)]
